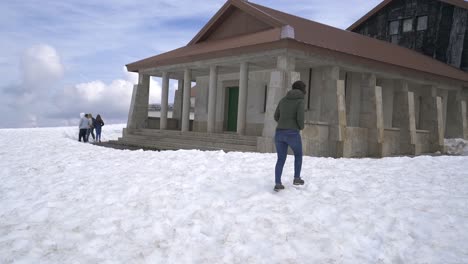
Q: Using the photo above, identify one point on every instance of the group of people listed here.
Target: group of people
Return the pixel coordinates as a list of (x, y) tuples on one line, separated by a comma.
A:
[(87, 126)]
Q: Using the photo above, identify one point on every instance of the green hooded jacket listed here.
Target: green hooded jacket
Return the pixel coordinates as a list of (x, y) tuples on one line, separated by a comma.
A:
[(290, 111)]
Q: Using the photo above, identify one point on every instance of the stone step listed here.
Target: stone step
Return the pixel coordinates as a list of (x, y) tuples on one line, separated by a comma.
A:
[(194, 143), (135, 140), (165, 137), (173, 146), (174, 133)]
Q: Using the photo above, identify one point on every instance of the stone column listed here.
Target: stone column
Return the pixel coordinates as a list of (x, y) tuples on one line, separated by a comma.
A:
[(177, 111), (353, 98), (164, 101), (138, 113), (341, 124), (281, 80), (387, 101), (431, 118), (404, 117), (333, 109), (242, 104), (457, 126), (186, 101), (371, 116), (212, 99), (315, 95), (330, 77)]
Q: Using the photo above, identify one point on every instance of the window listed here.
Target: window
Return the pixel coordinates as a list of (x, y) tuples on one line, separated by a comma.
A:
[(408, 25), (364, 30), (265, 97), (411, 4), (422, 23), (393, 27)]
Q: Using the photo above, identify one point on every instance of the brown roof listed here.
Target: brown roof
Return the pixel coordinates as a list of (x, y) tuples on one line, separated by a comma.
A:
[(459, 3), (311, 33)]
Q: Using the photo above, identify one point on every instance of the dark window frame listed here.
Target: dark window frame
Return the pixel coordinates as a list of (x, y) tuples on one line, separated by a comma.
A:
[(418, 23), (412, 25), (390, 32)]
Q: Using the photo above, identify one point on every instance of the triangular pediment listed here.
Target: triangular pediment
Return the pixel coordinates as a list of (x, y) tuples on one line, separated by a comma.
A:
[(235, 18)]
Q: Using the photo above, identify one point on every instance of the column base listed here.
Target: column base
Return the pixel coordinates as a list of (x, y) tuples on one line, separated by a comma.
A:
[(408, 149), (266, 145)]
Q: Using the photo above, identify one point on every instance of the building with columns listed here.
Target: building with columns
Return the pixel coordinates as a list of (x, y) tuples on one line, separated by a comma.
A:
[(365, 97)]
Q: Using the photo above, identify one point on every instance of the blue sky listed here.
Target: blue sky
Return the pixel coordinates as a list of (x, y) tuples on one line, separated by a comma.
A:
[(62, 57)]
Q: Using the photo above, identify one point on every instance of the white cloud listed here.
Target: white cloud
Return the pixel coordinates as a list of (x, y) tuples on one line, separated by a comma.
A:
[(25, 105), (41, 66)]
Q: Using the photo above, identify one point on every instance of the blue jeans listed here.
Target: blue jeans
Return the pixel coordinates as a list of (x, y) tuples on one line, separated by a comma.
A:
[(98, 134), (283, 139), (90, 132)]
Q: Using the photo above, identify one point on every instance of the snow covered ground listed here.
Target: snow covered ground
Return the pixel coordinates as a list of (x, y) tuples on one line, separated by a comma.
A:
[(62, 201)]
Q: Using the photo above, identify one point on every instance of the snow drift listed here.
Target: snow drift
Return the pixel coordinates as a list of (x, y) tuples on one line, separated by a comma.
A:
[(62, 201)]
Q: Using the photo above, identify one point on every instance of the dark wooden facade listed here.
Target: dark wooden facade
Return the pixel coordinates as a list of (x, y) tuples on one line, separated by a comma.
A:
[(432, 27)]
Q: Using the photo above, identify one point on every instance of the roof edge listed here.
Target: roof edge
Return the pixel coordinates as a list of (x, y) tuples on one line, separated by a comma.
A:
[(369, 14), (242, 5)]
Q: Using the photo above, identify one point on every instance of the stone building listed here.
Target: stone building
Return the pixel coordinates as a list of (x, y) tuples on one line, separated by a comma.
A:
[(365, 97), (436, 28)]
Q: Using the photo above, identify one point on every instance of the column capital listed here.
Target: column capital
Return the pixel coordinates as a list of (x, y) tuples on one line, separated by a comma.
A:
[(143, 78), (286, 62)]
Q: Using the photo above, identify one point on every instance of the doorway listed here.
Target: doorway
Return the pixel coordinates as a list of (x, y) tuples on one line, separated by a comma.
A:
[(233, 100)]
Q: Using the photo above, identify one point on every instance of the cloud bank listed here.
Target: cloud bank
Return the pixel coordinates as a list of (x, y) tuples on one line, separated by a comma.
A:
[(41, 99)]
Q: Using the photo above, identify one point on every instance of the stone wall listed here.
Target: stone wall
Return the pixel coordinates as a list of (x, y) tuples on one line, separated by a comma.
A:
[(423, 142), (356, 142), (315, 139), (391, 143)]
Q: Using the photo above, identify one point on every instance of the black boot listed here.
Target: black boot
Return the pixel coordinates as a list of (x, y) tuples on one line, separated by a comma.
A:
[(298, 181), (278, 187)]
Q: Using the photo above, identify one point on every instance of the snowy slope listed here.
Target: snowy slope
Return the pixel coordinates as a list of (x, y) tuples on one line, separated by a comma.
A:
[(62, 201)]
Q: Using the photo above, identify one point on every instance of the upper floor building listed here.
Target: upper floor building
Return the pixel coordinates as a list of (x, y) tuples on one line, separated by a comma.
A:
[(436, 28)]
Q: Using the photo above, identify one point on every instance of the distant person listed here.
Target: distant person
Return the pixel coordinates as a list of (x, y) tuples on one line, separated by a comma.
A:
[(83, 126), (91, 127), (98, 124), (290, 117)]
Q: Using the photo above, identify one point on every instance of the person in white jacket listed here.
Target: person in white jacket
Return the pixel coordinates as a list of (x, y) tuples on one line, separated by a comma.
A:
[(83, 126)]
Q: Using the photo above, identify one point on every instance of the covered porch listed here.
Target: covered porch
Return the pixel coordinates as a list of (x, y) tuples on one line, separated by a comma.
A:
[(351, 111)]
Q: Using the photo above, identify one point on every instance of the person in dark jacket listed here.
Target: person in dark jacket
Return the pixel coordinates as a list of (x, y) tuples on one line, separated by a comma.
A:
[(290, 117), (98, 124), (91, 127)]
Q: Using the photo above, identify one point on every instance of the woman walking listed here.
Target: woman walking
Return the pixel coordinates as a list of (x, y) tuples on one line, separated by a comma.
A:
[(98, 124), (290, 117)]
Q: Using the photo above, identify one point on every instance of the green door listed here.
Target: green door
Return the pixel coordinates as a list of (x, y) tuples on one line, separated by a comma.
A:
[(233, 99)]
